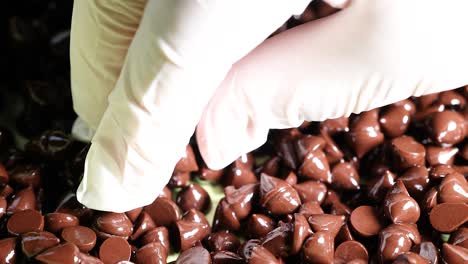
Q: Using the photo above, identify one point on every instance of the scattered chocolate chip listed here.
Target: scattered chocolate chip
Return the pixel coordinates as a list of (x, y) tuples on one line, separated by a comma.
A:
[(163, 211), (259, 225), (278, 196), (152, 253), (365, 221), (194, 255), (458, 213), (83, 237), (351, 250), (116, 224), (114, 249), (25, 221), (222, 241), (447, 127), (319, 248), (64, 253), (33, 243), (55, 222), (159, 234), (454, 254), (7, 250)]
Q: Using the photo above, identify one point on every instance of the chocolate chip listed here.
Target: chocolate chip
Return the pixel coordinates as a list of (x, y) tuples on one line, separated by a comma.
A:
[(194, 255), (211, 175), (310, 208), (378, 186), (311, 191), (222, 241), (410, 258), (452, 98), (335, 125), (191, 229), (365, 221), (179, 179), (239, 175), (226, 257), (447, 127), (315, 167), (25, 221), (308, 143), (408, 152), (159, 234), (26, 175), (277, 196), (259, 225), (116, 224), (241, 199), (365, 132), (319, 248), (83, 237), (151, 253), (133, 214), (23, 200), (277, 240), (55, 222), (396, 238), (351, 250), (33, 243), (187, 162), (261, 255), (453, 188), (395, 121), (454, 254), (301, 231), (326, 222), (440, 155), (415, 179), (399, 207), (427, 250), (460, 237), (345, 176), (64, 253), (163, 211), (7, 250), (115, 249), (458, 213)]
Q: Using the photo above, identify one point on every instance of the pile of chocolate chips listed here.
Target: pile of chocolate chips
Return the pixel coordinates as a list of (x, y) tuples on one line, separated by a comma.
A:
[(384, 186)]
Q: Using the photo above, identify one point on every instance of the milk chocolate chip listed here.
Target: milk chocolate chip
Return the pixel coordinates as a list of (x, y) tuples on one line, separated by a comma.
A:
[(7, 250), (33, 243), (115, 249), (301, 231), (447, 217), (326, 222), (222, 241), (460, 237), (64, 253), (159, 234), (193, 197), (351, 250), (365, 132), (315, 167), (116, 224), (453, 188), (187, 162), (395, 121), (311, 191), (408, 152), (345, 176), (399, 207), (23, 200), (447, 127), (55, 222), (152, 253), (259, 225), (277, 196), (454, 254), (25, 221), (163, 211), (365, 221), (194, 255), (319, 248), (83, 237), (142, 225)]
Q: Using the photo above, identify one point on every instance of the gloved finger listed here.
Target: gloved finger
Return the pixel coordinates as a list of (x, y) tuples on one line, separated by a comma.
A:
[(368, 55), (179, 56), (101, 33)]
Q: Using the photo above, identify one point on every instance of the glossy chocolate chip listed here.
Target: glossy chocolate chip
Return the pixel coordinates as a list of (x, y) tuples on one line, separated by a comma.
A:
[(311, 191), (26, 175), (239, 176), (88, 259), (193, 197), (152, 253), (308, 143), (194, 255), (315, 166), (277, 241), (440, 155), (192, 228), (33, 243), (222, 241), (163, 211), (159, 234), (396, 239), (365, 221), (453, 188), (23, 200), (260, 255), (454, 254), (345, 176), (133, 214), (240, 200), (428, 250), (211, 175), (187, 162), (365, 132), (83, 237), (143, 224), (447, 127), (430, 200), (377, 187), (331, 149), (399, 206), (410, 258), (440, 171), (344, 234), (116, 224), (64, 253), (115, 249), (179, 179), (351, 250), (460, 237), (407, 152), (259, 225), (326, 222), (319, 248), (225, 217), (335, 125), (226, 257), (7, 250), (415, 179), (395, 121), (277, 196), (310, 208), (25, 221), (301, 231), (55, 222), (447, 217), (284, 146)]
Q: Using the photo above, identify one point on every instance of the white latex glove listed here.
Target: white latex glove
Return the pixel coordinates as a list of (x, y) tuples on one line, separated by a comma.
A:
[(160, 62), (370, 54)]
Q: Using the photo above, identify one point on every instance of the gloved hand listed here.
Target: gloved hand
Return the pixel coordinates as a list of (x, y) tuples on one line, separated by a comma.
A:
[(162, 61)]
